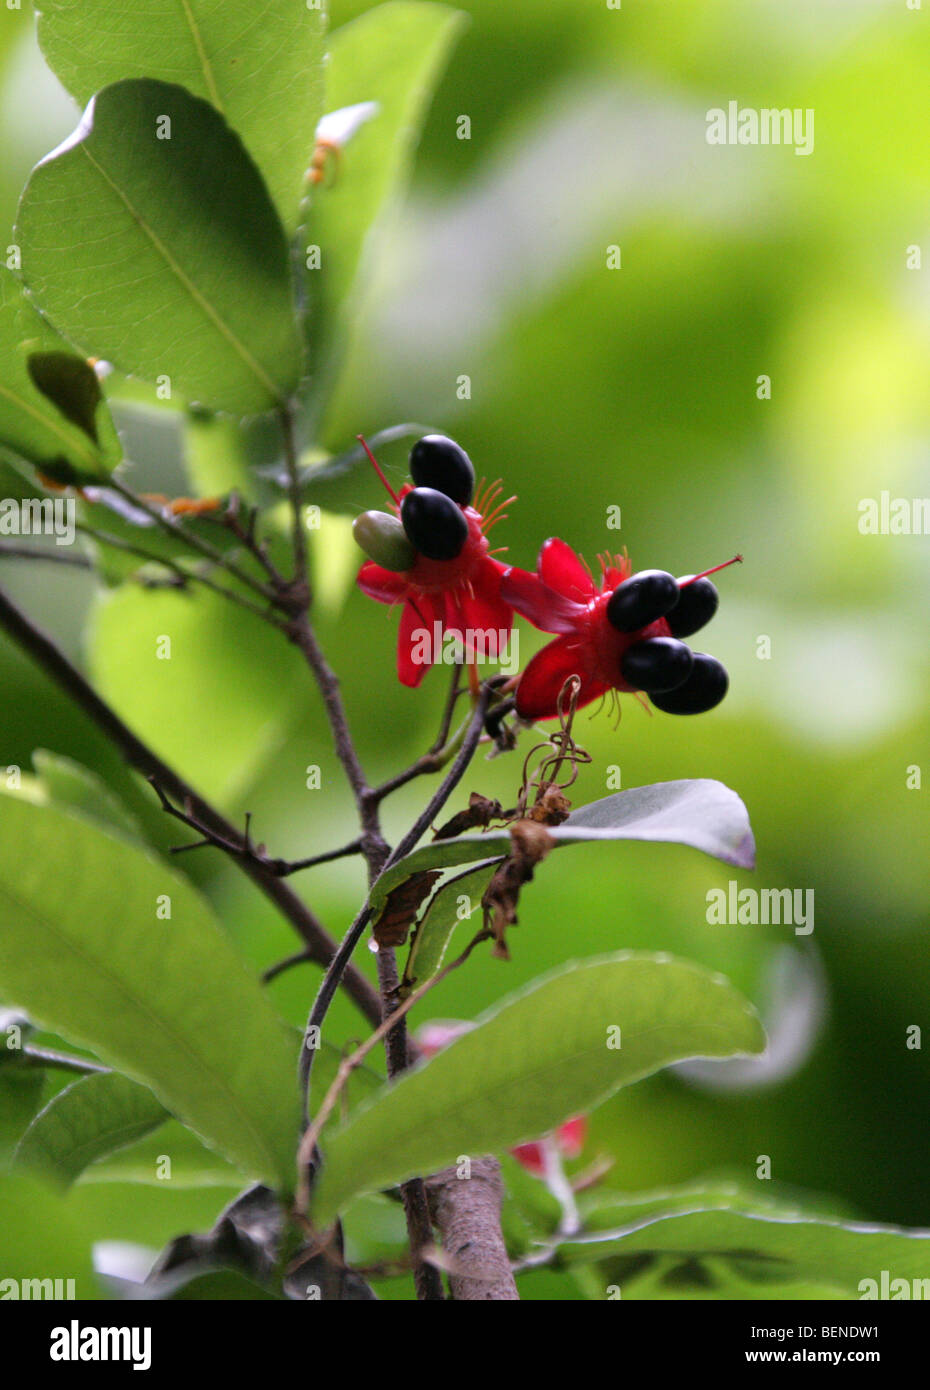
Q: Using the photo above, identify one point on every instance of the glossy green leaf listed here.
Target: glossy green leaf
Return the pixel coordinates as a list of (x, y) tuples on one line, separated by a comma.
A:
[(393, 55), (782, 1246), (52, 412), (89, 1119), (171, 261), (434, 931), (700, 812), (259, 62), (542, 1055), (166, 1000)]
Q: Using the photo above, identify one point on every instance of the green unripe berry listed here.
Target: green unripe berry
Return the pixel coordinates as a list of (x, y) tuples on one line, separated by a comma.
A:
[(384, 540)]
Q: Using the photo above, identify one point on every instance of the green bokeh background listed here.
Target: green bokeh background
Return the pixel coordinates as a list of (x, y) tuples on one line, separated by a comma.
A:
[(593, 388)]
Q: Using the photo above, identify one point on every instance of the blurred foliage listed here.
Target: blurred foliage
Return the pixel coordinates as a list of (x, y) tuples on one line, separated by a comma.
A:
[(593, 388)]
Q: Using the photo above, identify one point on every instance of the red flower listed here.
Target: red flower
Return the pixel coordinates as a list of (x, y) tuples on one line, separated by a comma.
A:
[(460, 596), (568, 1141), (563, 597)]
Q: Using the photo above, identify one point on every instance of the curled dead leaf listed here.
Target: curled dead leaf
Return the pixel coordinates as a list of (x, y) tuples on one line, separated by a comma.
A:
[(530, 843)]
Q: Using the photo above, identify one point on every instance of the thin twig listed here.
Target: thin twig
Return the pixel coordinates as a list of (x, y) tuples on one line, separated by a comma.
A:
[(246, 535), (348, 1064), (185, 577), (193, 542), (280, 966), (349, 942), (299, 538), (436, 757), (35, 552)]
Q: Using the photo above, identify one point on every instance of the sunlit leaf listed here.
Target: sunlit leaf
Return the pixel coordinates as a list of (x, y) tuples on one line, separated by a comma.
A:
[(258, 62), (172, 262), (52, 412)]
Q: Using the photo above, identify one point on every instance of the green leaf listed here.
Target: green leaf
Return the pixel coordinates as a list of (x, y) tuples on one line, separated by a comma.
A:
[(698, 812), (393, 55), (52, 412), (168, 1001), (172, 260), (701, 812), (20, 1098), (227, 673), (73, 786), (192, 1164), (541, 1056), (259, 62), (337, 483), (42, 1240), (784, 1247), (434, 932), (86, 1121)]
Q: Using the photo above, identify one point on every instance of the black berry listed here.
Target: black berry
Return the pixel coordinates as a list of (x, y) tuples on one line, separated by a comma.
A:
[(658, 663), (704, 688), (434, 524), (697, 604), (440, 463), (642, 599)]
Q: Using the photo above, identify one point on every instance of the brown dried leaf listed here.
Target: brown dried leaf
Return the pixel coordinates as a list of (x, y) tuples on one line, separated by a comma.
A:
[(552, 807), (402, 905), (479, 812), (530, 843)]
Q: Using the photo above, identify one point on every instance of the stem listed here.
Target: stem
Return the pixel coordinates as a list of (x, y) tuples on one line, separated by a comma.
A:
[(192, 541), (373, 844), (436, 757), (56, 665), (348, 1064), (293, 488), (35, 552), (393, 1026), (349, 942), (186, 577), (467, 1213)]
